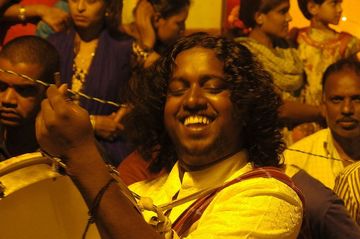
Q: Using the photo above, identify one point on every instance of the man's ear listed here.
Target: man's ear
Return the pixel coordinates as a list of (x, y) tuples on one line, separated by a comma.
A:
[(156, 19), (259, 18), (313, 8), (322, 107)]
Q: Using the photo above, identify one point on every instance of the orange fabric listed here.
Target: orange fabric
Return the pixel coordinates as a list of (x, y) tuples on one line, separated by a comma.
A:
[(25, 29), (134, 169)]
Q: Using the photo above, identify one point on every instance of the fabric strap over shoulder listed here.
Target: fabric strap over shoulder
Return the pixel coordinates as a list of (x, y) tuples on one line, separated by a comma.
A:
[(195, 211)]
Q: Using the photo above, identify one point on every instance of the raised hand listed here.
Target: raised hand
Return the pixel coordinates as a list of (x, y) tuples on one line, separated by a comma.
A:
[(56, 18), (62, 125)]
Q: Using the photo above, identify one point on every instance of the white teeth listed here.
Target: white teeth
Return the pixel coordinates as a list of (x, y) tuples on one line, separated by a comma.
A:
[(196, 119)]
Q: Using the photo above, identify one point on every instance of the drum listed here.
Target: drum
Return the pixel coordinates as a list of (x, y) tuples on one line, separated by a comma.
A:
[(38, 202)]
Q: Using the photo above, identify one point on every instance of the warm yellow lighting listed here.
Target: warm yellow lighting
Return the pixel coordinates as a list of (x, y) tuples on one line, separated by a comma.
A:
[(344, 19)]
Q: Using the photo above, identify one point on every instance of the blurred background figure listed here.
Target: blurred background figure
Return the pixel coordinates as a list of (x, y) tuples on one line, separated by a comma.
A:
[(18, 18), (268, 22), (96, 61), (325, 154), (156, 25), (43, 29), (319, 45)]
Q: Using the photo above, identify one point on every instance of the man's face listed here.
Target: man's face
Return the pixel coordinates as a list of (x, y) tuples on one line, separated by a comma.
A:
[(341, 104), (199, 114), (19, 98)]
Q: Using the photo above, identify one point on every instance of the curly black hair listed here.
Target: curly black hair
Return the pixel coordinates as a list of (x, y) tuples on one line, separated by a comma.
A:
[(251, 89)]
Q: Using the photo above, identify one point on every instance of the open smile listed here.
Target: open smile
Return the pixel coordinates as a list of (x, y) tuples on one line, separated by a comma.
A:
[(197, 122)]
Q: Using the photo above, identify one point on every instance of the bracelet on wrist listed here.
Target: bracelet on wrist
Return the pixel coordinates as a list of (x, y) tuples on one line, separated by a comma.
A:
[(22, 14), (142, 52), (93, 208)]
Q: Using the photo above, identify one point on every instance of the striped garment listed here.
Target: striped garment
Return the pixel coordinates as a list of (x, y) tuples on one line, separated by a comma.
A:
[(347, 187)]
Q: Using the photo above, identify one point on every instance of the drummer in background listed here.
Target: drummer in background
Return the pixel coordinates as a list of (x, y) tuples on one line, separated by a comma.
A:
[(20, 98)]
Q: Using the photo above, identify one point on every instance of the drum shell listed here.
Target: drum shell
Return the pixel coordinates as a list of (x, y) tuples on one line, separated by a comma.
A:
[(40, 203)]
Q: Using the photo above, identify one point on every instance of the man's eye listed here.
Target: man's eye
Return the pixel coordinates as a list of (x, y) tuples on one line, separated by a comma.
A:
[(28, 91), (177, 88), (356, 99), (3, 86), (214, 87), (284, 11), (214, 90), (336, 100), (176, 92)]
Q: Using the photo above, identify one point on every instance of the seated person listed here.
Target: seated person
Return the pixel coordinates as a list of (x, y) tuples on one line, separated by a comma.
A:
[(207, 110), (324, 154), (20, 97), (96, 64)]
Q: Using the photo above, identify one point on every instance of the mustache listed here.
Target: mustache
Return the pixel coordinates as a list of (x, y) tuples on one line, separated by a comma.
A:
[(8, 110), (347, 119)]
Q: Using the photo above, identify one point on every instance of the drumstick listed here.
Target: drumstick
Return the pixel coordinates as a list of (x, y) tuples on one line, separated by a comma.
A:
[(73, 93)]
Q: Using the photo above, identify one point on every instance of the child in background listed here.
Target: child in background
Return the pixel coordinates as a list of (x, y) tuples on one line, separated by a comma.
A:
[(267, 40), (319, 45)]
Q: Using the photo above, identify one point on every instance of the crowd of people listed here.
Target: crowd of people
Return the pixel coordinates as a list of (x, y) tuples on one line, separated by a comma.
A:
[(253, 135)]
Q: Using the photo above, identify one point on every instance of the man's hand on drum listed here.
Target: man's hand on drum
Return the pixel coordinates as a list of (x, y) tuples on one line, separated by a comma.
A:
[(62, 125)]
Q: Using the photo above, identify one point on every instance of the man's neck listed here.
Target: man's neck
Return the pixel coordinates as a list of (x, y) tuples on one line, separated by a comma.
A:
[(20, 140), (348, 149)]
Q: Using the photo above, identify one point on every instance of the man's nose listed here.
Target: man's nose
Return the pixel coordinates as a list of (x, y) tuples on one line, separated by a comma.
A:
[(8, 97), (195, 99), (347, 107), (81, 5)]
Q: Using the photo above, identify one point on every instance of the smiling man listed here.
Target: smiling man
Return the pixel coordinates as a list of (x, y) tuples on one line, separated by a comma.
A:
[(324, 154), (213, 111), (20, 98)]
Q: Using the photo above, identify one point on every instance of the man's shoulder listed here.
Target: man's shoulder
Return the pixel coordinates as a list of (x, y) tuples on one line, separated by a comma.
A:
[(260, 186), (149, 186), (310, 141), (300, 152)]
